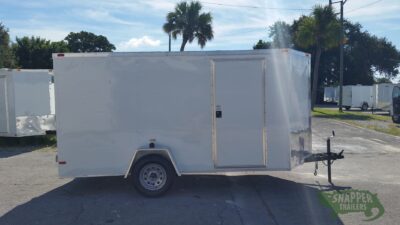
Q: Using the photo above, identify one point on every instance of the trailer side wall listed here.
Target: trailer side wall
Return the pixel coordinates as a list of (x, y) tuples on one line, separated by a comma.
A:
[(111, 104)]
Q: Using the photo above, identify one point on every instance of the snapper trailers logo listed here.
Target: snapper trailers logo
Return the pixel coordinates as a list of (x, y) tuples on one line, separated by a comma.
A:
[(353, 201)]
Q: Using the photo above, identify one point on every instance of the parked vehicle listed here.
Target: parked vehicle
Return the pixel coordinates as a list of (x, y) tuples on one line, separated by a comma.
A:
[(357, 96), (331, 94), (152, 116), (395, 112), (25, 103), (383, 96)]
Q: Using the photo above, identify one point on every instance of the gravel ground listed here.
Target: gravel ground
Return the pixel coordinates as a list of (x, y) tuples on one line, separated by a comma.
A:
[(31, 193)]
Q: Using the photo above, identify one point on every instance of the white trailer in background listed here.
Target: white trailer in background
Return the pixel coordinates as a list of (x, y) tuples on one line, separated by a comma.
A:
[(331, 94), (152, 115), (357, 96), (25, 103), (383, 96)]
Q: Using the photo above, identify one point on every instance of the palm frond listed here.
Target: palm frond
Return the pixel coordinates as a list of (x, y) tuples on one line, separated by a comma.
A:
[(187, 21)]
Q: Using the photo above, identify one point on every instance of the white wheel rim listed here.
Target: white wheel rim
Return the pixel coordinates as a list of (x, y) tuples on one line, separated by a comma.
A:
[(153, 176)]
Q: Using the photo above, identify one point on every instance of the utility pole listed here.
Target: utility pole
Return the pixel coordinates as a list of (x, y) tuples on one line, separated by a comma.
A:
[(342, 2), (341, 57), (169, 41)]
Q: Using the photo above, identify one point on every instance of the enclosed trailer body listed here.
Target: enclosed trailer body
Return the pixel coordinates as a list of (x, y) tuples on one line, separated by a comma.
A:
[(383, 96), (357, 96), (331, 94), (207, 112), (25, 103)]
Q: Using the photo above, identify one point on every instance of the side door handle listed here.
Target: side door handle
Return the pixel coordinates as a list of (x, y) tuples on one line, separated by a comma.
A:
[(218, 111)]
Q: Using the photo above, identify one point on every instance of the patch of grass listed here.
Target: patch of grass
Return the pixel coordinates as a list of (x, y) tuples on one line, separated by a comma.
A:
[(44, 140), (391, 129), (347, 115), (378, 123)]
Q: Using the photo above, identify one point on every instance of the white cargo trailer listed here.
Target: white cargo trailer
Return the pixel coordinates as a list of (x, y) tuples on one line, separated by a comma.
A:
[(25, 103), (151, 115), (331, 94), (357, 96), (383, 96)]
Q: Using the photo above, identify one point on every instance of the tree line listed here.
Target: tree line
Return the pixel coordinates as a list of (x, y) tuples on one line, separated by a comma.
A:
[(365, 55), (36, 53)]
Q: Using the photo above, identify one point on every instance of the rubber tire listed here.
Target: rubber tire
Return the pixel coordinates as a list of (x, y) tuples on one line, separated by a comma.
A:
[(364, 107), (396, 120), (347, 107), (166, 164)]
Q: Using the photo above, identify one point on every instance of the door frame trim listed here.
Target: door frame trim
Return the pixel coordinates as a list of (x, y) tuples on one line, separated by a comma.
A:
[(213, 108)]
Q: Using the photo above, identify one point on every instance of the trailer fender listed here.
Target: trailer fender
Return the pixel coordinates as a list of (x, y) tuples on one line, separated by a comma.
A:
[(152, 151)]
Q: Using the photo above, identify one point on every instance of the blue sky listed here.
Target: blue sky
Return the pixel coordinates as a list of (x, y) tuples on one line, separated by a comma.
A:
[(136, 25)]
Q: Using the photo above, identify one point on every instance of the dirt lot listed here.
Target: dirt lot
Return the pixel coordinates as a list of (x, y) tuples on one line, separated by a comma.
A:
[(31, 193)]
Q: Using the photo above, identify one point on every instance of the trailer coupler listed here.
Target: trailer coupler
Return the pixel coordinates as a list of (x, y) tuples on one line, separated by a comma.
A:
[(329, 157)]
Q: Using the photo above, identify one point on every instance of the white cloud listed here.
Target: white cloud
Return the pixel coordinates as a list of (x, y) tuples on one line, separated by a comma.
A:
[(105, 16), (159, 5), (135, 43), (235, 27), (373, 12)]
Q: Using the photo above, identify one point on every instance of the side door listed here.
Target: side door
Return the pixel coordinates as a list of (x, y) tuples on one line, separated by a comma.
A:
[(239, 119)]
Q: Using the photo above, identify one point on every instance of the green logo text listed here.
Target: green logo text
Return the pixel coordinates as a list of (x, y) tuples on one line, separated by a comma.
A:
[(352, 201)]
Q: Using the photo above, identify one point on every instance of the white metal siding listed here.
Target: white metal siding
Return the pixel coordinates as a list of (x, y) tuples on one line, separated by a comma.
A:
[(111, 104), (361, 95), (347, 96)]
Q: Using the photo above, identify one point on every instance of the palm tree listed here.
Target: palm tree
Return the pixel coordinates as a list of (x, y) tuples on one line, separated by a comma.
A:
[(320, 31), (187, 21)]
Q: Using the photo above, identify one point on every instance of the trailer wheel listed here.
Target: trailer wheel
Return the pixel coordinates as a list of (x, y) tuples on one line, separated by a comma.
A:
[(153, 175), (347, 107), (364, 107)]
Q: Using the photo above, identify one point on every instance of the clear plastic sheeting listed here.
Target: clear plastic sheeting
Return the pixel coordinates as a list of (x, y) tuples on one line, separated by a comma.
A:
[(34, 125), (25, 102)]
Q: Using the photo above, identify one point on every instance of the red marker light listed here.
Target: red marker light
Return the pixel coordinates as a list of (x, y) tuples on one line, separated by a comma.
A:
[(60, 54), (62, 162)]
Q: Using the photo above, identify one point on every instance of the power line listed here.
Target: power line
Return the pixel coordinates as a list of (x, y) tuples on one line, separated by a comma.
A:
[(364, 6), (255, 7)]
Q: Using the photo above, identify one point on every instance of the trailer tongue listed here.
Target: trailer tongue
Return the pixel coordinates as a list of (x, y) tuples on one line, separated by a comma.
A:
[(329, 157)]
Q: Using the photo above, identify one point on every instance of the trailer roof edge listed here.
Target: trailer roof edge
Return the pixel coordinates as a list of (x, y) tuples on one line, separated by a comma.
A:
[(187, 53)]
